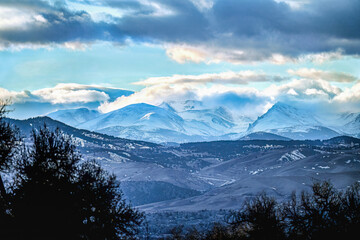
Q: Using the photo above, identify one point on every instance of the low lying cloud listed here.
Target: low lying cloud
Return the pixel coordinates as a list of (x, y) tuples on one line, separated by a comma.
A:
[(227, 89), (64, 93), (314, 88)]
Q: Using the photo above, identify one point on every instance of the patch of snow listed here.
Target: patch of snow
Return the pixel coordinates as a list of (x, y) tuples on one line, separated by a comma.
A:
[(147, 116), (292, 156)]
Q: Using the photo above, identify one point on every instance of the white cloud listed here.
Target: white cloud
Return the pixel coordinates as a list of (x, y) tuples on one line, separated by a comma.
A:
[(295, 4), (320, 58), (299, 89), (314, 91), (152, 95), (19, 18), (69, 93), (203, 5), (242, 77), (182, 54), (349, 95), (226, 89), (60, 94), (71, 45), (212, 53), (13, 96), (222, 91), (11, 18), (323, 75)]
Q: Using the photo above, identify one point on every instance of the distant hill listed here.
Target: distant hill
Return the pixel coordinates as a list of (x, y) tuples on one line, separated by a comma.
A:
[(264, 136), (342, 140)]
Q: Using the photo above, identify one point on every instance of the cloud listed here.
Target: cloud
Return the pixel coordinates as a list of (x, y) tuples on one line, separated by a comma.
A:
[(213, 90), (241, 100), (199, 31), (152, 95), (242, 77), (324, 75), (322, 57), (62, 95), (13, 96), (40, 23), (227, 89), (65, 93), (182, 54), (303, 89), (350, 95)]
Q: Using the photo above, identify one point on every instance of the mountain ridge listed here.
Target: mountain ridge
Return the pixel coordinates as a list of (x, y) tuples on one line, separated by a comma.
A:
[(191, 121)]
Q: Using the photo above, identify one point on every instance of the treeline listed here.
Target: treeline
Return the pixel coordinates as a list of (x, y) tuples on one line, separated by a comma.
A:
[(54, 194), (325, 213)]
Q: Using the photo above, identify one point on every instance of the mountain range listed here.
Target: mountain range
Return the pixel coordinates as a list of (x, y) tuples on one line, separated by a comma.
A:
[(190, 121), (182, 179)]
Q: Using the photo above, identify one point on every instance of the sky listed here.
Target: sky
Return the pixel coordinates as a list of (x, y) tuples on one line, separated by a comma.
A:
[(242, 54)]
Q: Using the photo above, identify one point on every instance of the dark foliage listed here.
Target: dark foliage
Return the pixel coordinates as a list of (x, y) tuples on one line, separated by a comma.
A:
[(259, 219), (325, 213), (57, 195), (9, 142)]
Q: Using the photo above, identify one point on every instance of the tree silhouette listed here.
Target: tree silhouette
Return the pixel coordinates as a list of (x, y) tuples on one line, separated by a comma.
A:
[(260, 219), (324, 213), (9, 141), (58, 197)]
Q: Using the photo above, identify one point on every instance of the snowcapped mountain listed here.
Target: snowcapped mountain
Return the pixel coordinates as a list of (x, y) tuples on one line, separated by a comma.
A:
[(193, 121), (217, 118), (291, 122), (349, 123), (148, 116), (74, 117), (169, 122), (151, 123)]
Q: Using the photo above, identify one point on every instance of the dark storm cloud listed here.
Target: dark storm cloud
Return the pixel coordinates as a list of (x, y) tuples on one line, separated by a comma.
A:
[(61, 25), (260, 28), (184, 23)]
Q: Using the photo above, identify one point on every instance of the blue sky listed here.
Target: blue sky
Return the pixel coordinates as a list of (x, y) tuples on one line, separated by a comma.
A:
[(261, 51)]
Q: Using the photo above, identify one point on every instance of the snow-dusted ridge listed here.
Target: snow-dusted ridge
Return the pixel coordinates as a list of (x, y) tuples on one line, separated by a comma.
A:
[(190, 120)]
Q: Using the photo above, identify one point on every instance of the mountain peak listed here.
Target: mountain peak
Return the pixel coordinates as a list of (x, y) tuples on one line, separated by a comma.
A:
[(292, 122), (74, 117), (280, 106)]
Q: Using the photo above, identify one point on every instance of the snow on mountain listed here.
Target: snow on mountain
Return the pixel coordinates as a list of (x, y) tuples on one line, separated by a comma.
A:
[(74, 117), (219, 119), (181, 106), (282, 115), (192, 120), (349, 123), (151, 123), (147, 116), (291, 122)]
